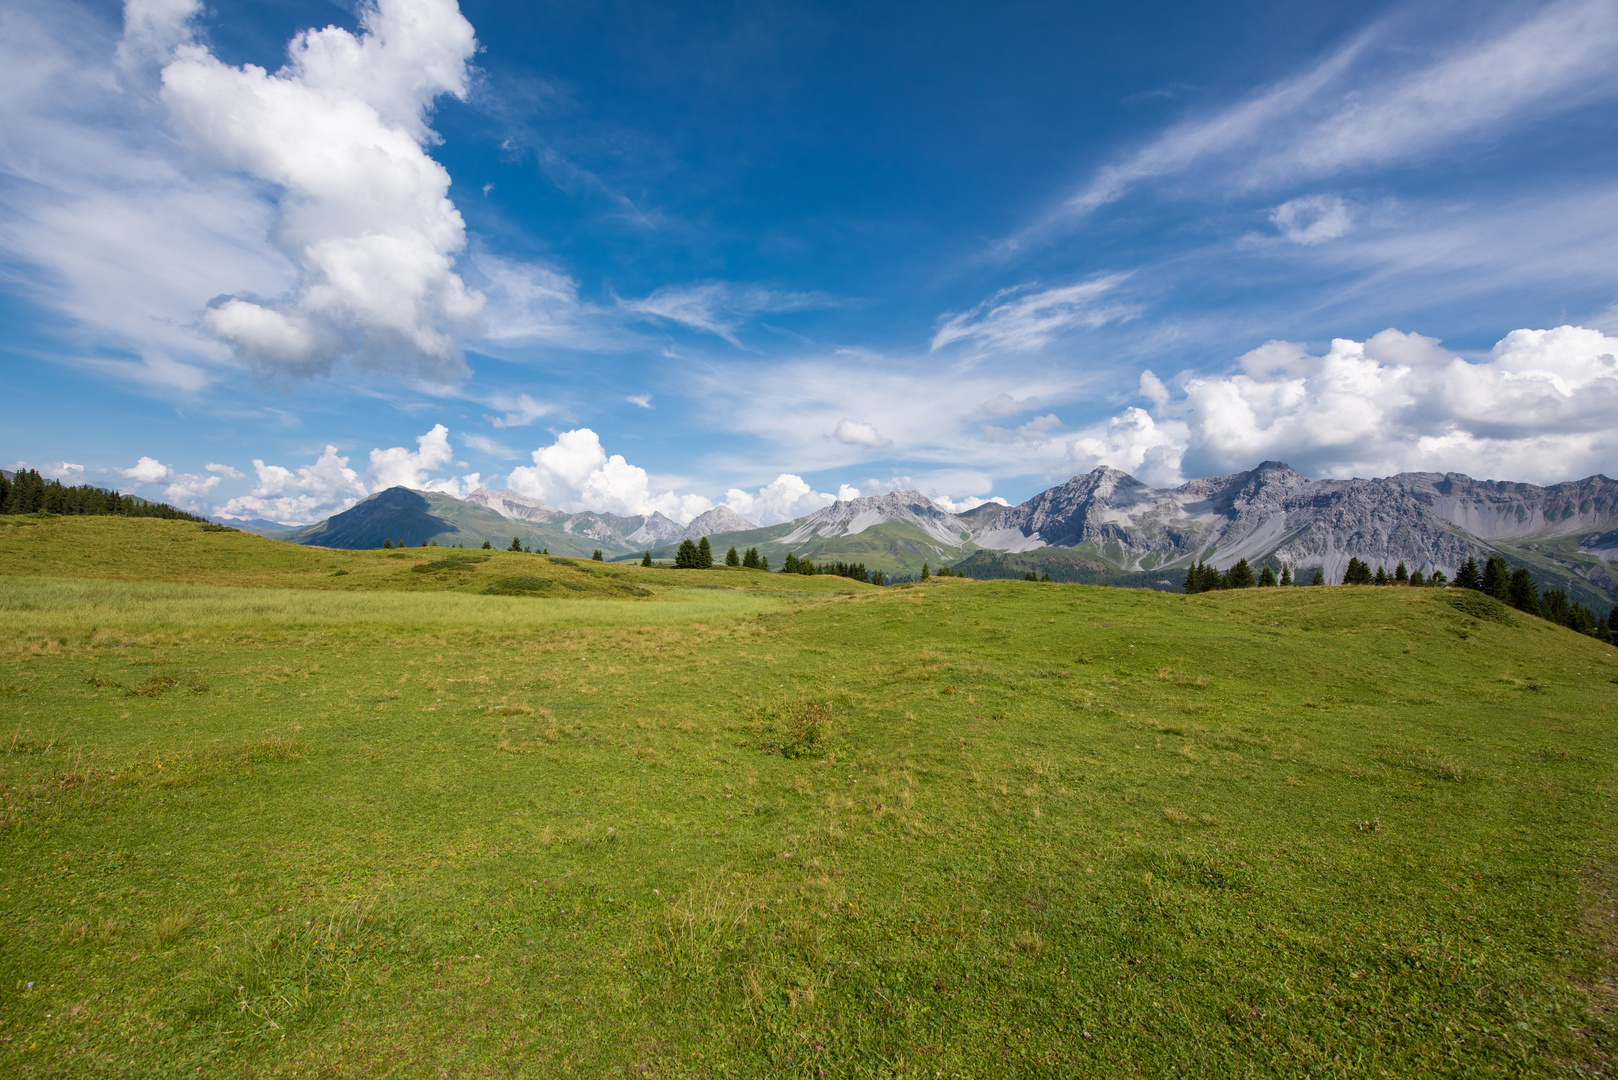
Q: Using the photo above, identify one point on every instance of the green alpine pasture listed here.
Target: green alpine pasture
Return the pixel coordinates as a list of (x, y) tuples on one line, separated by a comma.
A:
[(273, 810)]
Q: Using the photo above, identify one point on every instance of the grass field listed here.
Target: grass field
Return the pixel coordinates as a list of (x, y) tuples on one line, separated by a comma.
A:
[(715, 823)]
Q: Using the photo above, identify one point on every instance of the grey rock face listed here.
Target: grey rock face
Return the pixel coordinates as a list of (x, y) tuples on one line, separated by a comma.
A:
[(509, 504), (655, 531), (1428, 521), (845, 518), (721, 519)]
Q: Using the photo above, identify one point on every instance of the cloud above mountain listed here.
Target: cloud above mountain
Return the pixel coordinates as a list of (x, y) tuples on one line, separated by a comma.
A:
[(1537, 408)]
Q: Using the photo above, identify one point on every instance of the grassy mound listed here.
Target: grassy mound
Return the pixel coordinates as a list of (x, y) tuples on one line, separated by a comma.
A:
[(959, 828)]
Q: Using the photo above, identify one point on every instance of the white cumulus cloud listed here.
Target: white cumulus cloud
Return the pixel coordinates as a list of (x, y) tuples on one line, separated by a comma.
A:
[(401, 467), (225, 471), (146, 471), (858, 433), (188, 490), (363, 211), (1537, 408), (786, 497), (301, 496), (575, 473)]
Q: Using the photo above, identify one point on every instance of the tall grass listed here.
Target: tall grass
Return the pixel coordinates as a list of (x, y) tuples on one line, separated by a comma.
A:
[(63, 606)]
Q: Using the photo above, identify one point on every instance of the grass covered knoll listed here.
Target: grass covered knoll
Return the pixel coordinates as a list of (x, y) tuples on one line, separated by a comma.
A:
[(149, 550), (959, 828)]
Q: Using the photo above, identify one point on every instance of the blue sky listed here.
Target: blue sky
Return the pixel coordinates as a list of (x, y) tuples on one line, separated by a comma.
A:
[(263, 258)]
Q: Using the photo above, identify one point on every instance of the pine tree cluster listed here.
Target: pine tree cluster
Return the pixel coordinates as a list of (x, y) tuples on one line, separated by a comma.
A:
[(1203, 577), (1518, 588), (753, 560), (855, 571), (27, 492), (694, 556)]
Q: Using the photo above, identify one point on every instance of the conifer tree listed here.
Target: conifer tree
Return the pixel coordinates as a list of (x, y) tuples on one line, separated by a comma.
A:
[(877, 578), (1381, 576), (1267, 578), (1319, 578), (1044, 577), (1522, 594), (1400, 573), (1467, 577), (1286, 573), (1193, 583), (704, 554), (487, 546), (1241, 575), (516, 544), (926, 572), (686, 558), (763, 563), (596, 556), (806, 567), (388, 544), (1497, 578), (646, 559), (1209, 578), (731, 558), (1416, 579), (791, 565), (1358, 573), (1030, 576)]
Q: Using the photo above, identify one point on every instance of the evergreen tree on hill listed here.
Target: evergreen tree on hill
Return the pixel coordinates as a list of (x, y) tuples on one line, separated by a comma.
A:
[(1467, 577), (1319, 578), (1358, 573), (1193, 579), (926, 572), (791, 565), (1521, 592), (1286, 573), (487, 546), (1416, 579), (1381, 576), (686, 558), (731, 558), (704, 555), (1267, 578), (1241, 575), (646, 559), (596, 556), (1400, 573), (516, 544), (1497, 579), (763, 563)]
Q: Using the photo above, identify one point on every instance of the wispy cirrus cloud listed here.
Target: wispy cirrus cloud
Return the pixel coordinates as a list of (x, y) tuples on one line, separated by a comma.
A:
[(1020, 319), (1372, 102), (720, 308)]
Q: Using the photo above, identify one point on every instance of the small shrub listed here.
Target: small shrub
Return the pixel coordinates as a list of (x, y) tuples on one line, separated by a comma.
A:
[(808, 725)]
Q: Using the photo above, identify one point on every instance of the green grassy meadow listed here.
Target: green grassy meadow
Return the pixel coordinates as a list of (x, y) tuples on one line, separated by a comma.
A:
[(272, 810)]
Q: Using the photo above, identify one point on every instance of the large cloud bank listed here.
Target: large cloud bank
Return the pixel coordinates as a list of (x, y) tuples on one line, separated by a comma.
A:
[(364, 212), (1538, 408)]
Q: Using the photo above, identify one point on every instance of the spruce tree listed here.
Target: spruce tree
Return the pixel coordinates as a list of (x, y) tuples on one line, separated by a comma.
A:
[(1209, 578), (1381, 576), (1044, 577), (487, 546), (926, 572), (1193, 583), (1416, 580), (1497, 579), (1241, 575), (1267, 578), (731, 558), (1358, 573), (704, 554), (1319, 578), (1030, 576), (516, 544), (1400, 573), (1286, 573), (1467, 577), (877, 578), (1521, 592), (646, 559), (791, 565), (686, 558), (388, 544), (763, 563), (596, 556)]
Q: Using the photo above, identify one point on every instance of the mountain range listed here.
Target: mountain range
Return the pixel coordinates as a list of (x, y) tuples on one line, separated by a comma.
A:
[(1104, 526)]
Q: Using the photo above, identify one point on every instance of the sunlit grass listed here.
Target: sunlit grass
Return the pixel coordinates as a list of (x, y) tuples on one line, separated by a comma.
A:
[(59, 605)]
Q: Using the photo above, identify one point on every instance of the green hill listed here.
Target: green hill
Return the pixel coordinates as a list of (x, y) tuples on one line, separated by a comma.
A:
[(894, 547), (414, 517), (725, 823)]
